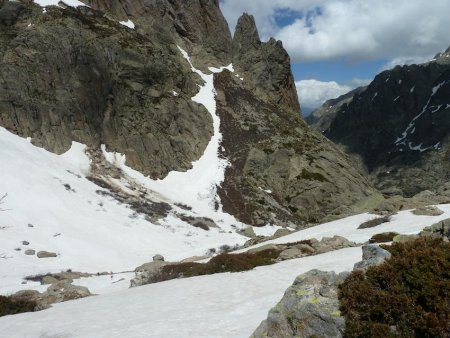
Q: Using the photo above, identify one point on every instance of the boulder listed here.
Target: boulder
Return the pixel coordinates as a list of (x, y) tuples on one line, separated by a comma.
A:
[(267, 247), (46, 254), (428, 211), (309, 308), (372, 255), (249, 232), (291, 253), (438, 230), (281, 232), (158, 258), (30, 252), (404, 238)]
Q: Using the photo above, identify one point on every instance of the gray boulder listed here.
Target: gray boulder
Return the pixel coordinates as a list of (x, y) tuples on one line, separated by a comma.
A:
[(46, 254), (438, 230), (428, 211), (158, 258), (30, 252), (309, 308), (372, 255)]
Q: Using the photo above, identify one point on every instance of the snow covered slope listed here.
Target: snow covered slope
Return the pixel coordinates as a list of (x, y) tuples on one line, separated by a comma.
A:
[(221, 305), (52, 205)]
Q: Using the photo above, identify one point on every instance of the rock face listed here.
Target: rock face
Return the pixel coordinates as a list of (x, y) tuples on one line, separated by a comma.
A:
[(264, 66), (77, 74), (281, 171), (198, 25), (56, 86), (399, 127), (309, 308)]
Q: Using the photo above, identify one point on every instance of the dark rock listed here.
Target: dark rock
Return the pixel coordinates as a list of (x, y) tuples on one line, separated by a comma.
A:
[(9, 12), (30, 252), (46, 254), (321, 118), (398, 127)]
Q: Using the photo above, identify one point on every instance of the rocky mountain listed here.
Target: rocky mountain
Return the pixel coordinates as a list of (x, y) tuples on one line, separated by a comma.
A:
[(112, 73), (398, 126), (322, 117)]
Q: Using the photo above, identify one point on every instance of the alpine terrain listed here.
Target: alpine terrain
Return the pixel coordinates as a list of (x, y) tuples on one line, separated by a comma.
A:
[(158, 179)]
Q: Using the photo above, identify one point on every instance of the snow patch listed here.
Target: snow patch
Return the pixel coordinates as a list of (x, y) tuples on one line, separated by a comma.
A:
[(128, 23), (72, 3)]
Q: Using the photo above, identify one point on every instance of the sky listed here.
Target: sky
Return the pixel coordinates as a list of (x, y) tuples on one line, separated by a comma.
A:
[(338, 45)]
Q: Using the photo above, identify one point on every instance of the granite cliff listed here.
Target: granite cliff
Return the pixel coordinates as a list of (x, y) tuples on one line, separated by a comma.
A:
[(112, 73)]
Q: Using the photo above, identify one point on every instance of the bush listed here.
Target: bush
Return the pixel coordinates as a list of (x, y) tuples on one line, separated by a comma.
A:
[(220, 263), (383, 237), (407, 296), (374, 222), (11, 306)]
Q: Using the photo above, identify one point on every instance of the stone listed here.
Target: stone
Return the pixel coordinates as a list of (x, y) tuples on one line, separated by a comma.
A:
[(46, 254), (428, 211), (158, 258), (309, 308), (49, 280), (372, 255), (290, 253), (404, 238), (148, 273), (306, 249), (249, 232), (281, 232), (58, 292), (30, 252), (267, 247), (25, 243), (438, 230)]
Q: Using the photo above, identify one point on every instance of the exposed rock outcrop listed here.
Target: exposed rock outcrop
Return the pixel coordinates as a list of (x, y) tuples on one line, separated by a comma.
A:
[(281, 171), (75, 75), (197, 25), (58, 292), (309, 308), (264, 66)]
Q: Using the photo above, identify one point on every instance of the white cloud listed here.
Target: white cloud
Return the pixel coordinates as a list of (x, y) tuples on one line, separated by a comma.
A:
[(400, 61), (354, 29), (313, 93)]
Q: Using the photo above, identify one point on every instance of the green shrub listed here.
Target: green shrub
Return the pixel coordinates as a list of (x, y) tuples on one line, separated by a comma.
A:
[(11, 306), (407, 296)]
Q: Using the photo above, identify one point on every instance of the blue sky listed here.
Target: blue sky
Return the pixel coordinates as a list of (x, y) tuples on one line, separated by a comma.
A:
[(337, 45)]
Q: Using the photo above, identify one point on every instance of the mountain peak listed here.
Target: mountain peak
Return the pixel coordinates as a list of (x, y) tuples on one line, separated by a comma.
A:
[(246, 34)]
